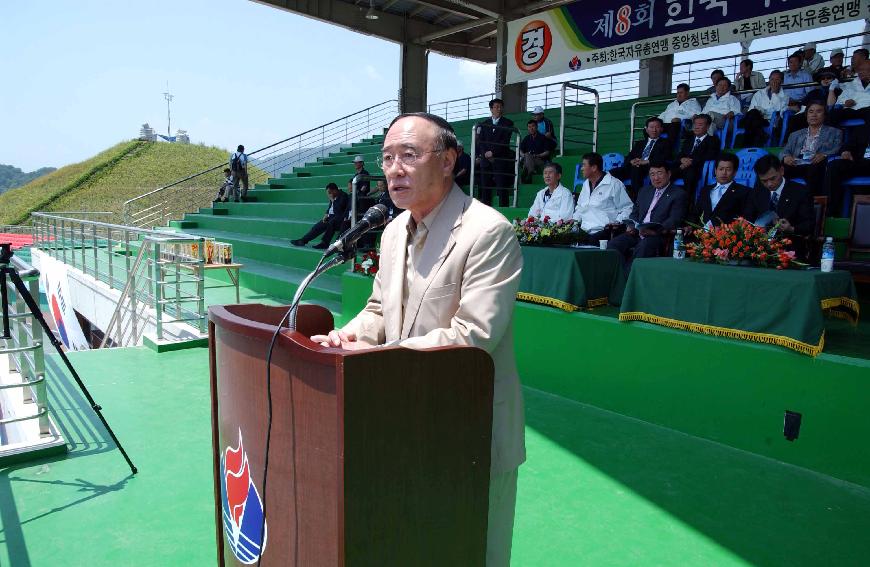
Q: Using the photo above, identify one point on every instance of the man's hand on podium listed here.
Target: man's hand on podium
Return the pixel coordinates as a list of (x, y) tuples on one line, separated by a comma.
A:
[(340, 339)]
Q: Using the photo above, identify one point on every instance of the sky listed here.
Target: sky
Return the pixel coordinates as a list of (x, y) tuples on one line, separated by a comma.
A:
[(82, 76)]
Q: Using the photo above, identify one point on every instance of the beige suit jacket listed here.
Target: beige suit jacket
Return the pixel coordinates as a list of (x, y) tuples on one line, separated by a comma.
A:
[(463, 294)]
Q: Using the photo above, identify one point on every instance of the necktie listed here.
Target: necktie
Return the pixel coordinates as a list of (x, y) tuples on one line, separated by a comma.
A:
[(697, 143), (648, 149), (547, 196), (653, 204), (716, 195), (774, 201)]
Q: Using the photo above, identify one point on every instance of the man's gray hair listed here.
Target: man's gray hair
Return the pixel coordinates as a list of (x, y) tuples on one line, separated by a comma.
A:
[(445, 137)]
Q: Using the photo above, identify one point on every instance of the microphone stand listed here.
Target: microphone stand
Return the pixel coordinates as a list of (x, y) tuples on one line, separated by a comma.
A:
[(7, 270), (342, 256)]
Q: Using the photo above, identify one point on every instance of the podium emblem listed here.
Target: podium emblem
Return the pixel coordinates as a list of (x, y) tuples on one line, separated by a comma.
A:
[(242, 506)]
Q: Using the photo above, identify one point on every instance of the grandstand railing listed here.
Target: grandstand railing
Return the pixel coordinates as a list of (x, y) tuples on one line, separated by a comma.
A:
[(625, 85), (25, 422), (578, 125), (158, 207), (26, 348), (160, 270)]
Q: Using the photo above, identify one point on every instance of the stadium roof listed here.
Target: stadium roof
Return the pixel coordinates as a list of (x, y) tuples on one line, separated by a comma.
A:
[(457, 28)]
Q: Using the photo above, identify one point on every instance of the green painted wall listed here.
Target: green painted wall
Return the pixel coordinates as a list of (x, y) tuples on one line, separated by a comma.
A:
[(732, 392)]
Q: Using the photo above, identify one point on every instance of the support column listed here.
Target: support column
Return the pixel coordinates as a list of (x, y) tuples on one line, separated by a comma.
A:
[(656, 75), (414, 72), (515, 95)]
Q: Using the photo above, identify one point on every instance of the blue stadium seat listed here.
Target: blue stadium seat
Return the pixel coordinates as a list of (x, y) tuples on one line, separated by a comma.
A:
[(610, 160), (745, 171), (847, 191), (786, 117), (737, 129)]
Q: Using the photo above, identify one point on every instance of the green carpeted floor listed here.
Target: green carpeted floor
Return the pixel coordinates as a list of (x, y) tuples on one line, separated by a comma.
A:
[(598, 488)]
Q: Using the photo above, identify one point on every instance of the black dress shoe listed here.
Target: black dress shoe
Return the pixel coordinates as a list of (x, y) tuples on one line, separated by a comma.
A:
[(321, 246), (297, 242)]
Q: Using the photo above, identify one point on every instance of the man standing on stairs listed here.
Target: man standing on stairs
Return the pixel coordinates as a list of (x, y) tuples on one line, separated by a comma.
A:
[(363, 185), (336, 213), (239, 168)]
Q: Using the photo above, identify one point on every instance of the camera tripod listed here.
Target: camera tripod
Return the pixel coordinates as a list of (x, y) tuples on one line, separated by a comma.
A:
[(7, 270)]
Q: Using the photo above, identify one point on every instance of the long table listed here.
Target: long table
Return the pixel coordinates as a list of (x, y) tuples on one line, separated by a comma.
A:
[(781, 307), (571, 278)]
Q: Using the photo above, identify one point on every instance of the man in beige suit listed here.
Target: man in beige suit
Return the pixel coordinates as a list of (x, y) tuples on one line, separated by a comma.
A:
[(450, 269)]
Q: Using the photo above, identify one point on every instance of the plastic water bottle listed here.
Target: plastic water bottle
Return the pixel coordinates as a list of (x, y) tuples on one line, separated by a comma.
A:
[(679, 251), (828, 255)]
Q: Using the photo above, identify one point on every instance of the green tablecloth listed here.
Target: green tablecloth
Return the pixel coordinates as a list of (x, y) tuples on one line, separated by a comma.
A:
[(571, 278), (782, 307)]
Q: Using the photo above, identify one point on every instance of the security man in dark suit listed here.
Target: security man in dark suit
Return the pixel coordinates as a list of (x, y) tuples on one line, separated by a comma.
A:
[(653, 149), (775, 199), (725, 200), (494, 155), (660, 203), (695, 151), (333, 219)]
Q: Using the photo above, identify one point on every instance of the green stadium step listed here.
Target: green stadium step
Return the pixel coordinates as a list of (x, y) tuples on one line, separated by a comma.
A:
[(308, 212), (267, 195), (281, 282), (274, 228), (342, 171), (309, 182)]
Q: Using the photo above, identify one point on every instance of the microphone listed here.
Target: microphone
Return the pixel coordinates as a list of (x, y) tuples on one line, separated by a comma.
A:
[(375, 217)]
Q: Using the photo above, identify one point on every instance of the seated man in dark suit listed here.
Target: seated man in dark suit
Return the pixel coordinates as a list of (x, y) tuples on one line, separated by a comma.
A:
[(695, 151), (852, 163), (660, 203), (775, 200), (333, 219), (653, 149), (725, 200), (807, 151)]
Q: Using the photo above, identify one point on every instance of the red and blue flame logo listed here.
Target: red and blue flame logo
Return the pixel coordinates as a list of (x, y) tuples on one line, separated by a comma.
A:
[(58, 319), (242, 506)]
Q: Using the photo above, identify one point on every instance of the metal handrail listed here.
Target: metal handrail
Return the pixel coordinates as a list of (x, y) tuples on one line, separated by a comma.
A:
[(25, 348), (634, 107), (514, 132), (91, 247), (572, 85), (196, 190)]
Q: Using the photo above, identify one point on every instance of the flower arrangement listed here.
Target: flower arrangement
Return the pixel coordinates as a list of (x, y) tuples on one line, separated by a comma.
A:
[(368, 263), (740, 241), (543, 232)]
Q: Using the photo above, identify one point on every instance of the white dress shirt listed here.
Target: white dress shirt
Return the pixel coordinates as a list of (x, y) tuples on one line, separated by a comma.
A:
[(558, 206), (684, 111), (608, 203), (768, 102), (854, 90), (722, 104)]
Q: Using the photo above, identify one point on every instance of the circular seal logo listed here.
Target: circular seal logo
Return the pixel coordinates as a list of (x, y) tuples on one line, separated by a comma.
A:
[(533, 45)]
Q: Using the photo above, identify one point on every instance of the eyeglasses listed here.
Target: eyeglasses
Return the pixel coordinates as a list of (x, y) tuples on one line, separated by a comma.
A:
[(407, 157)]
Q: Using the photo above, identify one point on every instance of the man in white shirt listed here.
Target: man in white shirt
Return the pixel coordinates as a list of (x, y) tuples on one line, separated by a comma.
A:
[(603, 200), (722, 105), (812, 61), (683, 108), (554, 200), (764, 103), (856, 94)]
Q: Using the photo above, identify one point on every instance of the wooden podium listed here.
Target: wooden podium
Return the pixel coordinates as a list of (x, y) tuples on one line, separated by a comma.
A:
[(377, 458)]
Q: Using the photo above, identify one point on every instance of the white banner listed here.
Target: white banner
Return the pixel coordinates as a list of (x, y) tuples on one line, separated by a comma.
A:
[(53, 279), (592, 33)]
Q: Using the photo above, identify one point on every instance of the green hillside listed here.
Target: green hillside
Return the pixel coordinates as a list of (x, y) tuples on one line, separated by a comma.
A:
[(105, 181)]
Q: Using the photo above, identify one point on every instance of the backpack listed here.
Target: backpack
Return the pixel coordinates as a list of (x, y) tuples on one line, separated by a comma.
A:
[(236, 163)]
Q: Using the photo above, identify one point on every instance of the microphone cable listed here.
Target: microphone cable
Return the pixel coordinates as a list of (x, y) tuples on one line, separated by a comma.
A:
[(269, 438)]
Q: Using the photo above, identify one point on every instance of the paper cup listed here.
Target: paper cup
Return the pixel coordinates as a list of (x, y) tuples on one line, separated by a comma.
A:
[(602, 244)]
